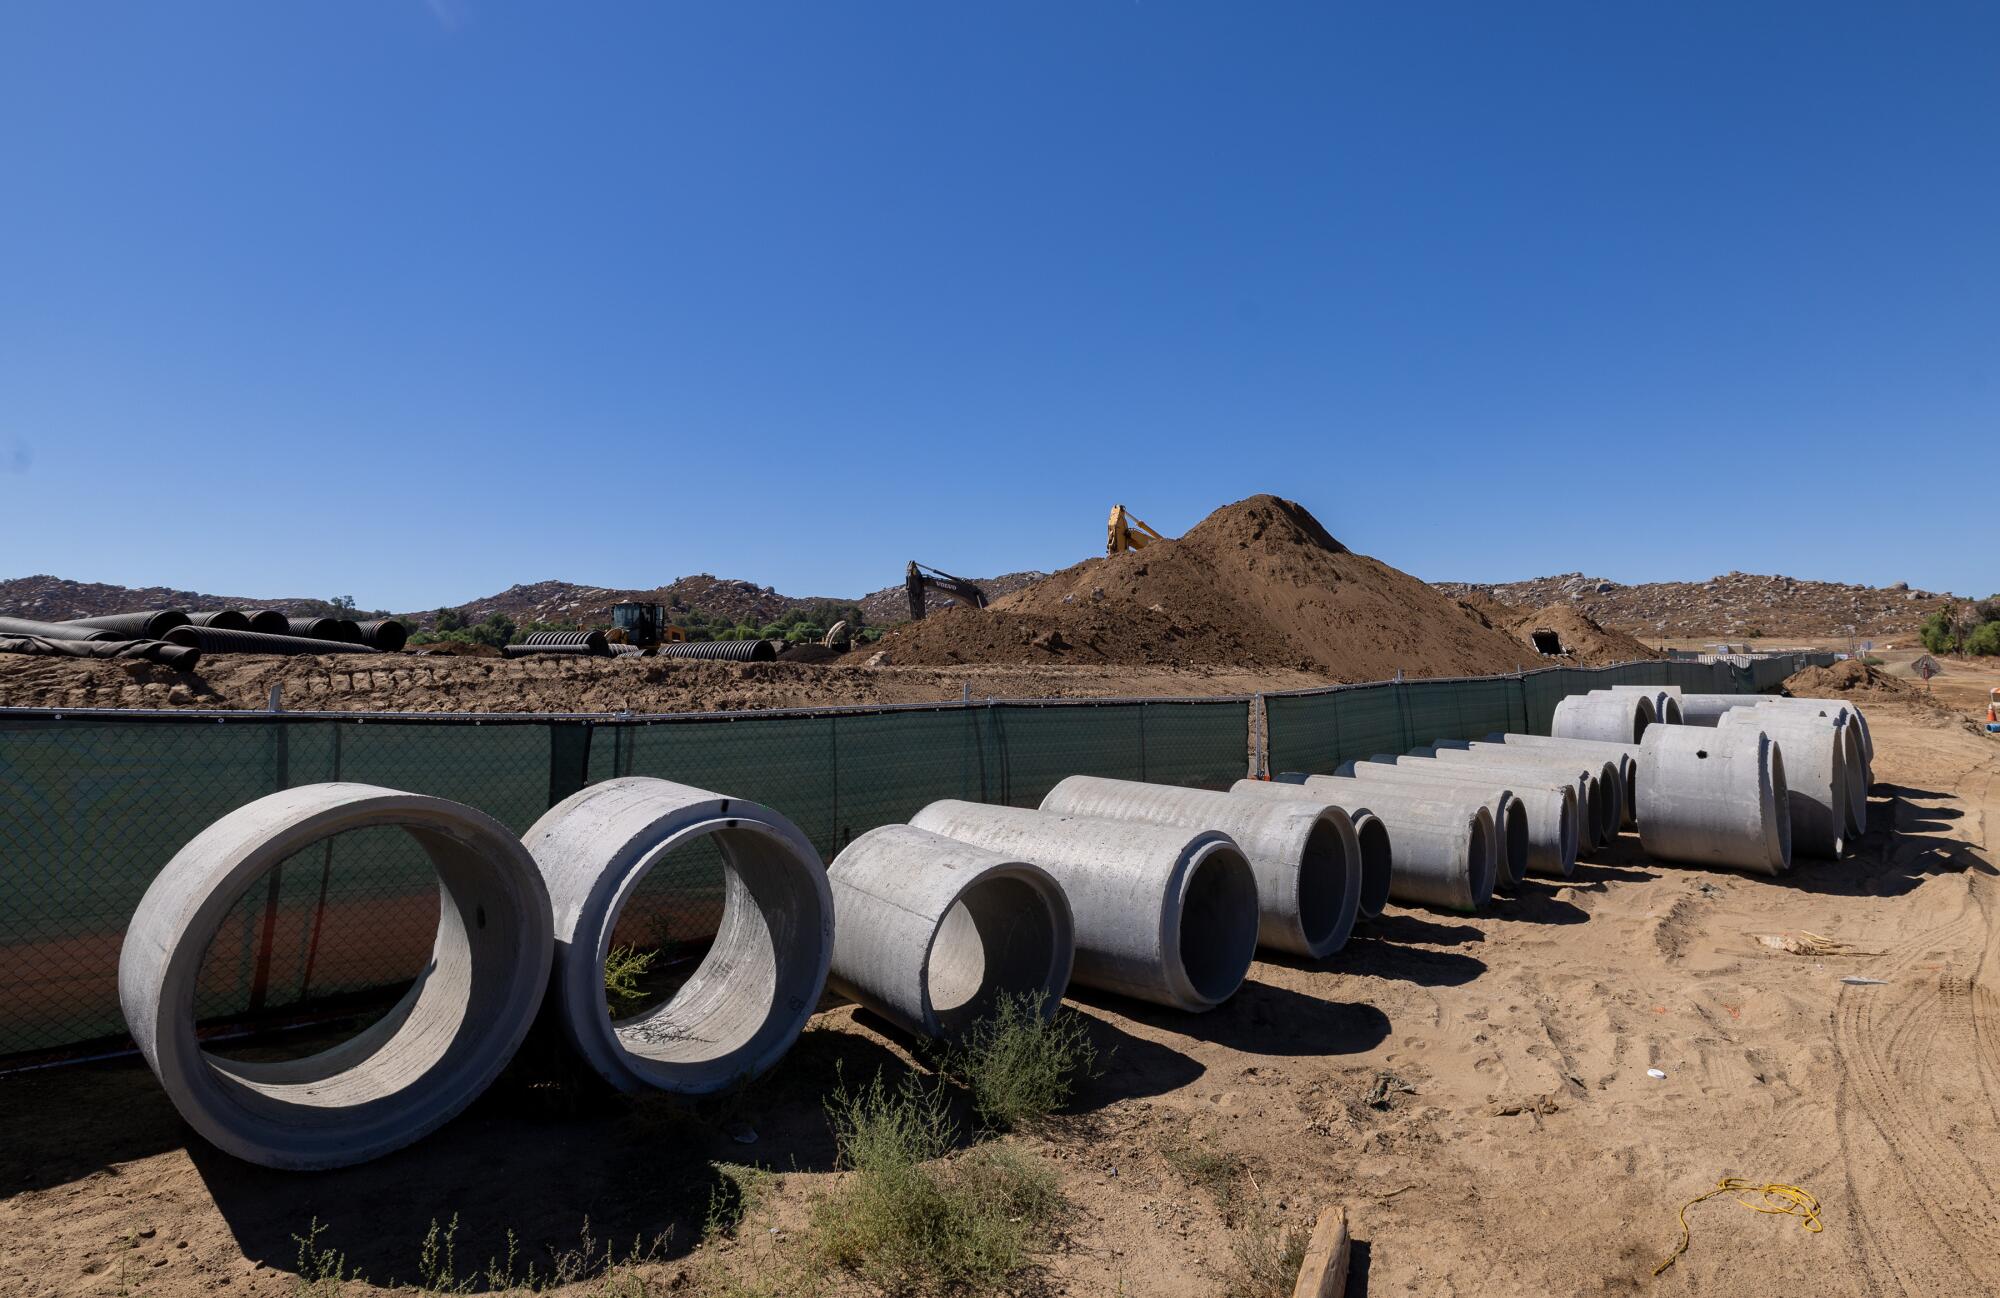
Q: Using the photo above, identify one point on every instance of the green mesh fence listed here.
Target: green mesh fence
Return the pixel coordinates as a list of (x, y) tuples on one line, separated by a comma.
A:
[(92, 804)]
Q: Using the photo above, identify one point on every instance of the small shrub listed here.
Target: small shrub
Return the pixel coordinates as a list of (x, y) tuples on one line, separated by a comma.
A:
[(1020, 1066), (910, 1220), (322, 1272), (1208, 1170), (735, 1195), (1985, 639), (1266, 1257), (437, 1262), (623, 969)]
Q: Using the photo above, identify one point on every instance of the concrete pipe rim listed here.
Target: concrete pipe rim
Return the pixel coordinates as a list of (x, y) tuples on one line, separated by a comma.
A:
[(405, 1074), (1781, 818), (1857, 781), (655, 1050), (1045, 968), (1377, 872), (1482, 861), (1323, 893), (1214, 934), (1511, 866)]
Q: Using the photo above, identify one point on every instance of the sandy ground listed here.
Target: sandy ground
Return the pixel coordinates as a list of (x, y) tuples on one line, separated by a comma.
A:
[(1530, 1152)]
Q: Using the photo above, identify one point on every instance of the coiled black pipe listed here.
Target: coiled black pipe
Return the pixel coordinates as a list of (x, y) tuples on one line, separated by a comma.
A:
[(217, 640), (595, 639), (729, 651), (135, 626), (325, 628), (228, 619), (536, 650), (270, 621), (54, 630), (386, 634)]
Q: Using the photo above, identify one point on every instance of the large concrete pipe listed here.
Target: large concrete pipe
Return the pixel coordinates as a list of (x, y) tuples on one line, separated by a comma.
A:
[(135, 626), (1715, 797), (1832, 708), (930, 932), (1597, 803), (1163, 914), (1621, 718), (1706, 709), (386, 634), (733, 651), (1509, 866), (593, 639), (1816, 775), (227, 619), (1307, 860), (1550, 806), (214, 639), (269, 621), (409, 1072), (751, 995), (1666, 700), (1623, 756), (55, 630), (1442, 849)]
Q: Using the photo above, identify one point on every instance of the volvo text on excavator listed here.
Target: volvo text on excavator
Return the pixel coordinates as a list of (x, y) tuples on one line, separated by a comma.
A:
[(920, 579)]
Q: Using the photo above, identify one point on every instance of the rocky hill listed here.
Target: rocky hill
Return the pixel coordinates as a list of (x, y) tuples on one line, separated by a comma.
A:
[(1736, 605), (51, 599)]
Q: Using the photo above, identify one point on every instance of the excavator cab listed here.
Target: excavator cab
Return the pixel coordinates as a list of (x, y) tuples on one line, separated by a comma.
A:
[(644, 625)]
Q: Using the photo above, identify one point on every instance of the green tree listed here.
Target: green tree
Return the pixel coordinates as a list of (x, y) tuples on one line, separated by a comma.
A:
[(1986, 640), (449, 620), (343, 605), (497, 630), (1939, 633)]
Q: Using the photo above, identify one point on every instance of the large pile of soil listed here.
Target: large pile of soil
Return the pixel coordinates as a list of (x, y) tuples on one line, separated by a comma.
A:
[(1848, 676), (1256, 583), (1582, 639)]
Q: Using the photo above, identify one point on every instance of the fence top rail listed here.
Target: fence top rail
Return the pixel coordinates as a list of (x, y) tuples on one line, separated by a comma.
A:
[(265, 716), (1499, 676)]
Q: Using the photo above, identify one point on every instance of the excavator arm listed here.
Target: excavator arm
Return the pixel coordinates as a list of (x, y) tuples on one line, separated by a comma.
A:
[(1125, 532), (919, 579)]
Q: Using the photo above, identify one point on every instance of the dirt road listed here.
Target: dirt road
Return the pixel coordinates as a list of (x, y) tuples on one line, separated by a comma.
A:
[(1474, 1090)]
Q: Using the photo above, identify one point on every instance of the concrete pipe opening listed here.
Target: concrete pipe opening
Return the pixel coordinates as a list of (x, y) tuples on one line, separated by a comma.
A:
[(1483, 860), (1781, 813), (414, 1068), (1511, 860), (932, 932), (750, 995), (1218, 924), (1857, 779), (1373, 836), (1669, 711)]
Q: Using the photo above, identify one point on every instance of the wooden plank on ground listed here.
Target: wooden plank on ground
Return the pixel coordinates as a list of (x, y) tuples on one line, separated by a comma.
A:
[(1324, 1272)]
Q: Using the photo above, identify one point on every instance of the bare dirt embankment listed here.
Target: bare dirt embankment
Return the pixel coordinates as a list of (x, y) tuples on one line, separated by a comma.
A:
[(1583, 641), (1258, 584)]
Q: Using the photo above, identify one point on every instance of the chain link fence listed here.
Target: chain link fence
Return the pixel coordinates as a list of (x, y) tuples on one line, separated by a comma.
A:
[(94, 803)]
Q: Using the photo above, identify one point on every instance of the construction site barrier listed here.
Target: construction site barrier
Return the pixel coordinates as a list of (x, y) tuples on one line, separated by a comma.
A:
[(93, 803)]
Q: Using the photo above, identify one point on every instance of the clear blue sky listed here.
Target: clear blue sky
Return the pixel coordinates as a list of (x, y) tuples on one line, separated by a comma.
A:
[(411, 301)]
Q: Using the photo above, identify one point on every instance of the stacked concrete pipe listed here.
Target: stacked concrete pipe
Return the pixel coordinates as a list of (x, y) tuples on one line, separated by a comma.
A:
[(1163, 914), (1307, 859), (1666, 700), (1550, 805), (1624, 756), (1715, 797), (1853, 742), (753, 992), (1707, 709), (1816, 775), (1597, 804), (1839, 710), (411, 1071), (930, 932), (1621, 718), (1442, 849)]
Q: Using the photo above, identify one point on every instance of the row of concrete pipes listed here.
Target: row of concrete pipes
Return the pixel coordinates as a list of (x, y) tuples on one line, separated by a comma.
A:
[(1156, 892)]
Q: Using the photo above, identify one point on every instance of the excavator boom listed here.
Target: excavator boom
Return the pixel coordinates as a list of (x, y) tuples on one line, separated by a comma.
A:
[(1128, 533), (920, 580)]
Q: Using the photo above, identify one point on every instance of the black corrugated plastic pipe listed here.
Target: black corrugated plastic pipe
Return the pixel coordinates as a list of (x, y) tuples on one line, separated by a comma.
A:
[(54, 630), (270, 622), (733, 651), (227, 619), (216, 640), (594, 639), (386, 634), (537, 650), (325, 628), (135, 626)]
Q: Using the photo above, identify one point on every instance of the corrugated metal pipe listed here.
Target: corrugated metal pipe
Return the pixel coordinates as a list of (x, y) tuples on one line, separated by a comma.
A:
[(386, 634), (54, 630), (135, 626), (219, 640), (731, 651)]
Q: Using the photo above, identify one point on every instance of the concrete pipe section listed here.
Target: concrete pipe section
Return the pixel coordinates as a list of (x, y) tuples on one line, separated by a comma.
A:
[(753, 992), (1666, 700), (405, 1075), (1307, 860), (1715, 797), (931, 932), (1163, 914), (1815, 774), (1597, 803), (1707, 709), (1509, 867), (1621, 718), (1443, 849), (1837, 710), (1623, 757), (1549, 805)]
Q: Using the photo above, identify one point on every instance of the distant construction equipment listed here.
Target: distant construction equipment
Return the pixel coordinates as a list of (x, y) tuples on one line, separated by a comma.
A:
[(1128, 533), (921, 579)]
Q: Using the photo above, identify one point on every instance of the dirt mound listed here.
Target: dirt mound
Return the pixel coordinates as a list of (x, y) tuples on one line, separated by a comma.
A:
[(1849, 676), (1582, 639), (1256, 583)]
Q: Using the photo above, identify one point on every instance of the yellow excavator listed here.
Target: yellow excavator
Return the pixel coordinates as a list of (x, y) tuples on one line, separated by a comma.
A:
[(1128, 533)]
